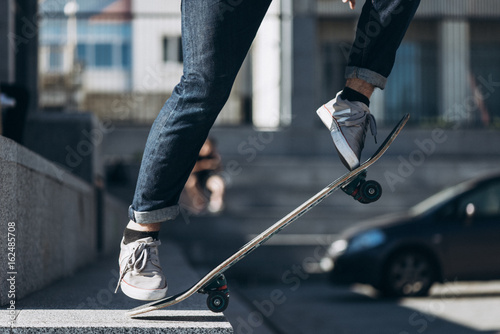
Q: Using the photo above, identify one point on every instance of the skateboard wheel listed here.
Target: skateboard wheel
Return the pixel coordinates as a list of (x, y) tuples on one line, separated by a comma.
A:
[(370, 191), (217, 301)]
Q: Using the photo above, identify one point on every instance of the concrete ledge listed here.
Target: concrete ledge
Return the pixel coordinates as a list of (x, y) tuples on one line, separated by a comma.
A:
[(53, 214), (86, 303), (87, 321), (52, 218)]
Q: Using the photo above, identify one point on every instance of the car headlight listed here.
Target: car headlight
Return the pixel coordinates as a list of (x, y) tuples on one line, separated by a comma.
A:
[(366, 240), (337, 247)]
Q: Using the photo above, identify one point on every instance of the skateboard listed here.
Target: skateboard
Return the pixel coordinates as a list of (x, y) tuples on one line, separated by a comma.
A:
[(214, 283)]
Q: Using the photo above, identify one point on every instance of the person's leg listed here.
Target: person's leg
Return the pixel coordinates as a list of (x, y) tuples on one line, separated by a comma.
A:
[(192, 197), (380, 30), (381, 27), (215, 184), (216, 37)]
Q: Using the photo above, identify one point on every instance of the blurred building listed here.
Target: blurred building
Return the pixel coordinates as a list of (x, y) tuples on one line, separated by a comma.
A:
[(121, 59), (443, 66)]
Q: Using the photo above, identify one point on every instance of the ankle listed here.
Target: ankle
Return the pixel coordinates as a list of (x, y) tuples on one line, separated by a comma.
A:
[(354, 96), (133, 235), (360, 86), (154, 227)]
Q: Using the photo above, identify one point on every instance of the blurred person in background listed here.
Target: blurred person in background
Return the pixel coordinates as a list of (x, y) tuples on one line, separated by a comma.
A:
[(204, 189)]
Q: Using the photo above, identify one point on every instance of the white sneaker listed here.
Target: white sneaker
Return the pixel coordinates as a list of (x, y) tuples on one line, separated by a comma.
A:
[(347, 122), (141, 276)]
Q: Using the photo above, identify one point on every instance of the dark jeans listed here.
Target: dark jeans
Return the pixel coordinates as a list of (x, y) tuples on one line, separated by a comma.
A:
[(216, 36), (381, 28)]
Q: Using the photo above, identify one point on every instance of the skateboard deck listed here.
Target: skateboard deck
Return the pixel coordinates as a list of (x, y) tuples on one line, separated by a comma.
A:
[(214, 283)]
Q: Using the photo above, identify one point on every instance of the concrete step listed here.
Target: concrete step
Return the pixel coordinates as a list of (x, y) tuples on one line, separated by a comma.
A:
[(86, 303)]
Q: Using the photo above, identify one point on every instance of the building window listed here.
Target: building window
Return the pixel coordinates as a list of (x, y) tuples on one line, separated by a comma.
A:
[(81, 53), (334, 60), (103, 55), (172, 49), (126, 55), (56, 57), (413, 84)]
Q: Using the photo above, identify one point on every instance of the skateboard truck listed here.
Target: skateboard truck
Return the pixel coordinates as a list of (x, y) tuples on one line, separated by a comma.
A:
[(218, 294), (362, 190)]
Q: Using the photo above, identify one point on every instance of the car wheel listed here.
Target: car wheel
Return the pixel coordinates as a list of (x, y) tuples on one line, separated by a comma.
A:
[(409, 273)]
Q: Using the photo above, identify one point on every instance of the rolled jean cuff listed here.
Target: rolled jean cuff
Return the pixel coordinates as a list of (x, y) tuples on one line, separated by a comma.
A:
[(367, 75), (155, 216)]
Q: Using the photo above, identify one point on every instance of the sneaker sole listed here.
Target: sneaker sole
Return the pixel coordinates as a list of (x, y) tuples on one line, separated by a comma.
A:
[(142, 294), (347, 155)]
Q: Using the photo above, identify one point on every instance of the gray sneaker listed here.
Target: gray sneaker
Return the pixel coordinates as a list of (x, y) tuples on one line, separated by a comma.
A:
[(141, 276), (347, 122)]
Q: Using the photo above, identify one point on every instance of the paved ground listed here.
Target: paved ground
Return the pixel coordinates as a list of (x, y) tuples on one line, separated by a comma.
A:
[(312, 306), (268, 301)]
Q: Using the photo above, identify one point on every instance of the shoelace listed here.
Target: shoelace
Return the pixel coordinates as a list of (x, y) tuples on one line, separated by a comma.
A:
[(138, 259), (357, 118)]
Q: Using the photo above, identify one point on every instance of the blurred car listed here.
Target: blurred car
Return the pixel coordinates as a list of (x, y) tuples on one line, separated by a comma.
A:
[(453, 235)]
